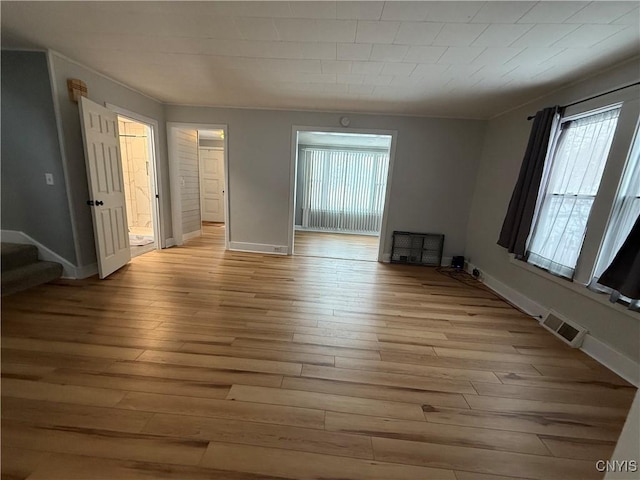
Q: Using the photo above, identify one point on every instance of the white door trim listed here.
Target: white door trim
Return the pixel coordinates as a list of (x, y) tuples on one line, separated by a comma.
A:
[(157, 210), (174, 176), (294, 175)]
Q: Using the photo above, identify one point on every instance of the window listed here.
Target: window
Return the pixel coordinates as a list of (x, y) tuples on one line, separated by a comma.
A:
[(343, 190), (578, 158), (626, 210)]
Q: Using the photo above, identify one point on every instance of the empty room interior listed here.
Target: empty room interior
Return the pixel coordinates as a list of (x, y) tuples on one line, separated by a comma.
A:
[(320, 240)]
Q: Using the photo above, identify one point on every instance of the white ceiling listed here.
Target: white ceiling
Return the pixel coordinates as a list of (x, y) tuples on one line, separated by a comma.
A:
[(453, 59)]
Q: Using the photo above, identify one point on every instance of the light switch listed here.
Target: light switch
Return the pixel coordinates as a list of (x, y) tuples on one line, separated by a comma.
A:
[(48, 178)]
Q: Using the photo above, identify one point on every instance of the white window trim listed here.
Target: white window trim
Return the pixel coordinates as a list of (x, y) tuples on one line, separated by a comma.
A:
[(602, 209), (574, 287)]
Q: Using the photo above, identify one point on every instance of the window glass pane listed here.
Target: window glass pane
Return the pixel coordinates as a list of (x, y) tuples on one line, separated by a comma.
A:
[(576, 168), (625, 211)]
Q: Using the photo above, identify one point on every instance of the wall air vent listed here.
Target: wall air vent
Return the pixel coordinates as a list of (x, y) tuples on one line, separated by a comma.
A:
[(567, 331)]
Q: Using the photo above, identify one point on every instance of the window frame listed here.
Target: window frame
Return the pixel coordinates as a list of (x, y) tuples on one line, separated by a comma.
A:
[(610, 184)]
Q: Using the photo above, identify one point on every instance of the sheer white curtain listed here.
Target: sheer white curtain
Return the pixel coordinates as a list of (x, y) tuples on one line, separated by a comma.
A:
[(626, 211), (343, 190), (576, 167)]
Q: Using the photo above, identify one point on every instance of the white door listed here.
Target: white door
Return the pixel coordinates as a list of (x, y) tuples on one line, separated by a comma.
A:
[(106, 188), (212, 184)]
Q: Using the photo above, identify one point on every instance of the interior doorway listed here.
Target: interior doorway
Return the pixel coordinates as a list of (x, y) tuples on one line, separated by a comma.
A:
[(340, 193), (212, 182), (199, 186), (138, 174)]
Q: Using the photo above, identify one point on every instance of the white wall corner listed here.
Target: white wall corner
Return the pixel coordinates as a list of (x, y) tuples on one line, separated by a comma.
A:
[(170, 242), (596, 349), (86, 271), (386, 258), (69, 270), (258, 248)]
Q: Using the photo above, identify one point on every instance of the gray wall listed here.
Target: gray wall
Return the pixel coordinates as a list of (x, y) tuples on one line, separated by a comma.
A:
[(502, 154), (30, 148), (433, 178), (100, 90)]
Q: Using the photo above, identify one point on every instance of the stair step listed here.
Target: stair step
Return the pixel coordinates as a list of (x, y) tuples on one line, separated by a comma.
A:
[(27, 276), (16, 255)]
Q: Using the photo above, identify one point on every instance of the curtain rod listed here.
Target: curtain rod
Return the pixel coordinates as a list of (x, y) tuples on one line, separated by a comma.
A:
[(531, 117)]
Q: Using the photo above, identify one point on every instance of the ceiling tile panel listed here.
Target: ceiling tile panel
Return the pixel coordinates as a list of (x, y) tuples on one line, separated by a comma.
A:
[(367, 68), (496, 55), (376, 32), (388, 53), (588, 35), (336, 66), (430, 70), (420, 54), (350, 78), (336, 30), (453, 12), (324, 9), (417, 33), (543, 35), (459, 34), (552, 12), (535, 55), (405, 10), (602, 12), (502, 12), (500, 35), (404, 69), (460, 55), (354, 51), (359, 10)]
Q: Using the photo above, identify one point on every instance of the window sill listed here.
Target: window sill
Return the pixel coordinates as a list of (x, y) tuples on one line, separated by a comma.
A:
[(575, 287)]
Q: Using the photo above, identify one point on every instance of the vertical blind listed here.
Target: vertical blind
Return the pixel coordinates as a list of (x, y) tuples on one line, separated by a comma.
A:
[(575, 171), (343, 190)]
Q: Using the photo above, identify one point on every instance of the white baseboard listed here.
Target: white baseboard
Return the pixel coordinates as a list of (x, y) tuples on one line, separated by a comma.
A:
[(190, 235), (386, 258), (170, 242), (613, 360), (599, 351), (69, 270), (258, 248), (521, 301), (86, 271)]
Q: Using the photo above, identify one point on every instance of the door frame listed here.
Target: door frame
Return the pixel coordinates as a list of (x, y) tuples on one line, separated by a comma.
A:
[(294, 177), (155, 180), (174, 176)]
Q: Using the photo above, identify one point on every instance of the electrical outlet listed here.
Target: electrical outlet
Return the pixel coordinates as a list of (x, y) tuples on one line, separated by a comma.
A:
[(48, 177)]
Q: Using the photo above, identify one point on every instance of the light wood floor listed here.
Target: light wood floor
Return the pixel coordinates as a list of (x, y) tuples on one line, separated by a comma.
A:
[(195, 363), (336, 245)]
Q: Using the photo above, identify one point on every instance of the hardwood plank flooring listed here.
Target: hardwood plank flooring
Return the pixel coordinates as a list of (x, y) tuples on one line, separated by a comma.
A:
[(336, 245), (198, 363)]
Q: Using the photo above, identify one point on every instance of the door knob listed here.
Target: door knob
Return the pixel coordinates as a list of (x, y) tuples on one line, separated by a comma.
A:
[(99, 202), (90, 203)]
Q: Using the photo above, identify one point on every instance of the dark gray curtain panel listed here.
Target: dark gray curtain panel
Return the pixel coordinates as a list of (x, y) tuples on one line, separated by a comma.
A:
[(517, 223), (623, 274)]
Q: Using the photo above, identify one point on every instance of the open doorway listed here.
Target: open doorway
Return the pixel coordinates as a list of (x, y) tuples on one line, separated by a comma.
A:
[(138, 173), (198, 165), (340, 195)]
